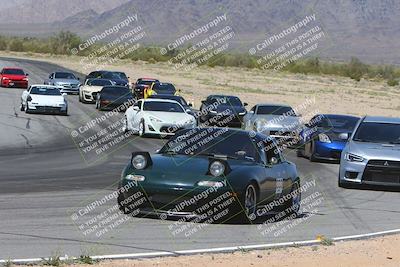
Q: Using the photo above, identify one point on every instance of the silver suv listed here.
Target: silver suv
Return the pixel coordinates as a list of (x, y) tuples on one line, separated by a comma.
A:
[(372, 155)]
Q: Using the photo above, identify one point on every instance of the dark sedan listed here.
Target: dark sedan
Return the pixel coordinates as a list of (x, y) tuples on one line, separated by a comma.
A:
[(141, 84), (112, 97), (210, 173), (187, 106), (222, 110)]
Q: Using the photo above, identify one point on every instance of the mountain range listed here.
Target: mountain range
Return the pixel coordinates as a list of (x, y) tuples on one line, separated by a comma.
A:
[(367, 29)]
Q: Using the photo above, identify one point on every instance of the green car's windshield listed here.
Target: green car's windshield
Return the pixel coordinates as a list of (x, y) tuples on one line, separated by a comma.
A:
[(212, 141)]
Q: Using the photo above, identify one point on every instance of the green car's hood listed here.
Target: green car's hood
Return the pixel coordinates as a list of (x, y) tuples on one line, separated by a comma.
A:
[(182, 171)]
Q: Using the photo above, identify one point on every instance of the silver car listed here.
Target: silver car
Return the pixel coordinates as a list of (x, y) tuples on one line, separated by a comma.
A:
[(372, 155), (275, 120), (65, 81)]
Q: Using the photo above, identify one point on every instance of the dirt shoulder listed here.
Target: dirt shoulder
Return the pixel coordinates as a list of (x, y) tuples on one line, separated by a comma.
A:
[(330, 94), (382, 252)]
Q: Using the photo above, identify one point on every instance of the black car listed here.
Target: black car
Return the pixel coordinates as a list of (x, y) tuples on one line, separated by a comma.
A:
[(164, 88), (188, 107), (111, 97), (222, 110), (95, 74), (119, 78), (141, 84)]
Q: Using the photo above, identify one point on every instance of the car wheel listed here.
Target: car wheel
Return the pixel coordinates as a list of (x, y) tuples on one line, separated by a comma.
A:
[(299, 153), (249, 203), (22, 108), (292, 206), (142, 129), (312, 157), (26, 108)]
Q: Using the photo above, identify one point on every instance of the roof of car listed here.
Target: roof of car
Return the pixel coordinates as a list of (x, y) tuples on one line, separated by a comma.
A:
[(165, 95), (221, 96), (44, 86), (159, 100), (12, 68), (273, 105), (148, 79), (382, 119), (338, 116)]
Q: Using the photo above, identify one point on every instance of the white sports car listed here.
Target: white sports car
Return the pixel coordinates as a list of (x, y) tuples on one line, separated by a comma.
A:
[(89, 91), (44, 99), (157, 116)]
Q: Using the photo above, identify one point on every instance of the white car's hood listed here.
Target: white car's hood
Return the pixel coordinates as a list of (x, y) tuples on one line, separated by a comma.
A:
[(92, 89), (169, 117), (46, 100)]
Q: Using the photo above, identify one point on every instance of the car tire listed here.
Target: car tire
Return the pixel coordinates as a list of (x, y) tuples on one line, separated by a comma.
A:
[(299, 153), (312, 157), (343, 184), (249, 204), (142, 129), (293, 203), (22, 108), (27, 108)]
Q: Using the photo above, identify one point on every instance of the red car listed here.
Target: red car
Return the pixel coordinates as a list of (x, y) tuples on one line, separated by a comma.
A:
[(13, 77)]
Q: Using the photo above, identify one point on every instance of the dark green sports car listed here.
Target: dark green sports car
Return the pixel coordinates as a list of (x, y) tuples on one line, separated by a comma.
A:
[(210, 174)]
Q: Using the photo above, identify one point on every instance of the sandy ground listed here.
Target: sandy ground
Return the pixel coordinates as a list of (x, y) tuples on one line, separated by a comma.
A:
[(331, 94), (377, 252)]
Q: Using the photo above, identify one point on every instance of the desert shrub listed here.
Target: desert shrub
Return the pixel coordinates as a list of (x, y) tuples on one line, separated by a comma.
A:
[(393, 82)]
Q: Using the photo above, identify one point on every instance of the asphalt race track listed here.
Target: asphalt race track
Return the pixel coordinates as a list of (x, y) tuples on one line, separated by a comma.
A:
[(44, 180)]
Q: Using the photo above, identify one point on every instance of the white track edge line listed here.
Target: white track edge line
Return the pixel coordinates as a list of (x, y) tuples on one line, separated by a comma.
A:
[(208, 250)]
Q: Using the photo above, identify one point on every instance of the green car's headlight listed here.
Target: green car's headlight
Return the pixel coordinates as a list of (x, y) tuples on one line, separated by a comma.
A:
[(139, 162), (217, 168), (211, 184)]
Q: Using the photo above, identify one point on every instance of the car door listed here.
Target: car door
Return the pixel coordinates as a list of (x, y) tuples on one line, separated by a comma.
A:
[(278, 182), (25, 96), (136, 114)]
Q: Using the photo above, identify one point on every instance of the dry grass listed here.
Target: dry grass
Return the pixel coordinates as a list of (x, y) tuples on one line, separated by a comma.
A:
[(332, 94)]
